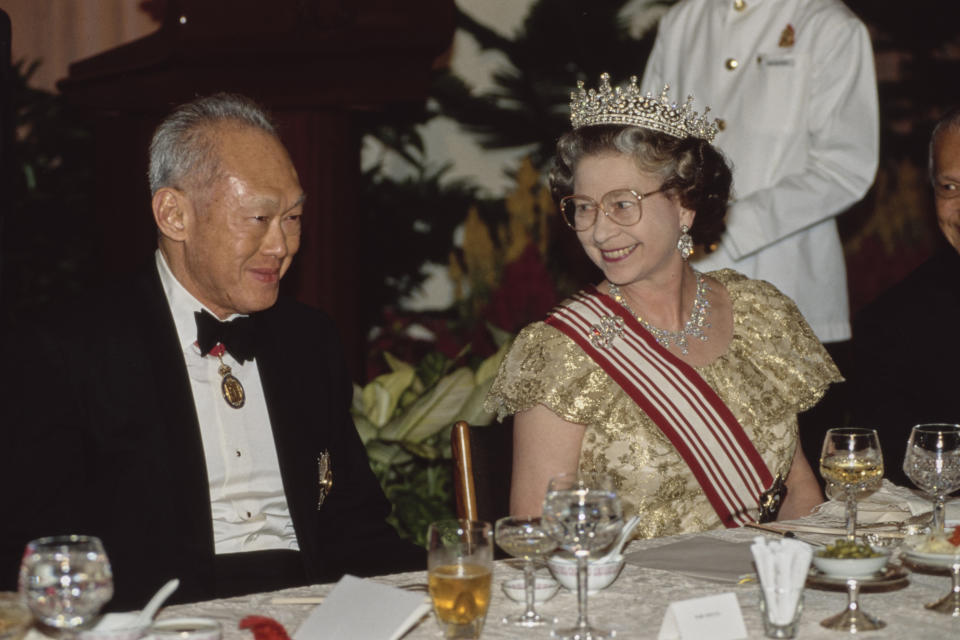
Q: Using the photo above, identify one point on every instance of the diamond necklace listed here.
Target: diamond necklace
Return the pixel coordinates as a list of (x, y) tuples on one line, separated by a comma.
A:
[(694, 326)]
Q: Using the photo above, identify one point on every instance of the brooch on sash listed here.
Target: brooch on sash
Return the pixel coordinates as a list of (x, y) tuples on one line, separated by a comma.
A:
[(324, 477), (602, 335), (771, 499)]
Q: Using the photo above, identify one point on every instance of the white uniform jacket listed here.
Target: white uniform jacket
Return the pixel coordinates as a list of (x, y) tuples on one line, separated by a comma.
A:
[(793, 82)]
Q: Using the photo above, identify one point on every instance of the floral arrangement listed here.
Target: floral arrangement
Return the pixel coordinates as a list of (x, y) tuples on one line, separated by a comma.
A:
[(404, 419)]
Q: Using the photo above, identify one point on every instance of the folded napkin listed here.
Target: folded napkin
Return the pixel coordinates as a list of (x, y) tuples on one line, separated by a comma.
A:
[(891, 503), (782, 567), (698, 557), (364, 610)]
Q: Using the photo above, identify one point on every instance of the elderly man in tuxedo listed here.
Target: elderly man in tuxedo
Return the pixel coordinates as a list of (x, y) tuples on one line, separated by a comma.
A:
[(906, 356), (190, 417)]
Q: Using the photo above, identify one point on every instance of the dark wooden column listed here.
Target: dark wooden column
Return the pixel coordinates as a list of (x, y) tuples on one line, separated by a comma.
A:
[(314, 64)]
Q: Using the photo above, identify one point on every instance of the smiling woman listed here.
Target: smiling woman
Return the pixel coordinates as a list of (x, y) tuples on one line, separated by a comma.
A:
[(683, 386)]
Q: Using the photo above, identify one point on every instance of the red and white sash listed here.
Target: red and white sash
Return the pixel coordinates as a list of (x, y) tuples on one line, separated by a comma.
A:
[(682, 405)]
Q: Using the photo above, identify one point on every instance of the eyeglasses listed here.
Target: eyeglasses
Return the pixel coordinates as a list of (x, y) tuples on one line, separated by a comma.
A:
[(620, 205)]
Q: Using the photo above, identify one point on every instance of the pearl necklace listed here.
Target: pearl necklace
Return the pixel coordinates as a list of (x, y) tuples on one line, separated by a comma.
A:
[(694, 326)]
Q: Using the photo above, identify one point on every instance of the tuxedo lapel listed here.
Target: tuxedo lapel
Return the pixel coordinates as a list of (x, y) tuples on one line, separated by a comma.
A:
[(186, 487), (292, 407)]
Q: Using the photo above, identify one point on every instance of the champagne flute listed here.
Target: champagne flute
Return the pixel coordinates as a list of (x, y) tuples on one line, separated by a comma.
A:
[(851, 460), (459, 571), (65, 580), (582, 513), (524, 537), (932, 462)]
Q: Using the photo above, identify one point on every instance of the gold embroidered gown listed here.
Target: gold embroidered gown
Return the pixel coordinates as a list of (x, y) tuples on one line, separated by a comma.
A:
[(773, 369)]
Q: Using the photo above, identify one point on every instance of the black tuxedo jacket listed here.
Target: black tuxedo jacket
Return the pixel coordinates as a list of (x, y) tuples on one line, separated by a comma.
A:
[(102, 438), (906, 359)]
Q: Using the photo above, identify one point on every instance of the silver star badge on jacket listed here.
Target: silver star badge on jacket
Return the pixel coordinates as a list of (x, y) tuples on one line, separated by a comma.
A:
[(324, 478)]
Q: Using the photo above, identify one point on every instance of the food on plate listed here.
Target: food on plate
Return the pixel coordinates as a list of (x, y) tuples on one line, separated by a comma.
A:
[(843, 548), (947, 542)]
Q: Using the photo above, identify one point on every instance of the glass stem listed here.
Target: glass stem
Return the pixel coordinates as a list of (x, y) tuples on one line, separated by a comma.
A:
[(529, 582), (853, 596), (851, 514), (582, 557), (939, 513)]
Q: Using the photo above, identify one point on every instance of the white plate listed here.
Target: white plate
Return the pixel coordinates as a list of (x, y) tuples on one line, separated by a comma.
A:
[(945, 560)]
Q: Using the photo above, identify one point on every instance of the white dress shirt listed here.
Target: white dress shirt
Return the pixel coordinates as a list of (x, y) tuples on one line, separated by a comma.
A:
[(247, 500), (794, 83)]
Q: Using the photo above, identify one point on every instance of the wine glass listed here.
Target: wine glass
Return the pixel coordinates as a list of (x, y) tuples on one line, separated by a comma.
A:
[(582, 513), (459, 571), (932, 463), (524, 537), (65, 580), (851, 460)]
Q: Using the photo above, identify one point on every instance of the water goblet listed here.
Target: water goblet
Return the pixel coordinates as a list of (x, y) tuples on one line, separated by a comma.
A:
[(65, 580), (932, 462), (524, 537), (582, 513), (459, 572), (851, 460)]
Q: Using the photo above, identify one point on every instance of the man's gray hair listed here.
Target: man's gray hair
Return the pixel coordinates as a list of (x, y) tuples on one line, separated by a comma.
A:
[(182, 151), (950, 120)]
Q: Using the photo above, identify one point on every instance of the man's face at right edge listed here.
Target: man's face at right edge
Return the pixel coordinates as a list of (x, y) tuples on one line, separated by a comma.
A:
[(946, 184)]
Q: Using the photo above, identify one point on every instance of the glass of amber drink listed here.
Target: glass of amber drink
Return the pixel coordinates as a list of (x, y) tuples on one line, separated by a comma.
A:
[(460, 570)]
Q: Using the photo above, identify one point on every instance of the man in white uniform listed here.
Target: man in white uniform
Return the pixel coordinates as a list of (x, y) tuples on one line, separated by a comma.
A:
[(793, 84)]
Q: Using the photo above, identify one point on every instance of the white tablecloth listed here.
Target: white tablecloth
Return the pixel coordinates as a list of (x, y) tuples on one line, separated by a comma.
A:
[(635, 604)]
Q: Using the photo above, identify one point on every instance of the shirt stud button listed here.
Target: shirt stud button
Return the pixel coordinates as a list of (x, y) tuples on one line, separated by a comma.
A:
[(731, 64), (721, 124), (739, 5)]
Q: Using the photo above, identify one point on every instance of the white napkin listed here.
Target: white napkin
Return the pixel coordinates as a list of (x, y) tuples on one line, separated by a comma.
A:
[(890, 503), (782, 566), (364, 610), (702, 557)]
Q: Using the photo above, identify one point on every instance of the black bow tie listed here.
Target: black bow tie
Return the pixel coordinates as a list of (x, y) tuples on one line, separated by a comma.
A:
[(236, 336)]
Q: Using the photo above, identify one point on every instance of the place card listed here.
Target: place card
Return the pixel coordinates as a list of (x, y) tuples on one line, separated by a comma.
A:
[(364, 610), (715, 617)]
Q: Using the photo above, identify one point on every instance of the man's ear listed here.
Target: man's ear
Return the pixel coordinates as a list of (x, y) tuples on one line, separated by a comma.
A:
[(170, 211)]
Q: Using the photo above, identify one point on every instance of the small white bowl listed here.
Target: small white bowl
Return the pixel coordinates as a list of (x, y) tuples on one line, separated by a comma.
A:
[(543, 589), (852, 567), (186, 629), (115, 626), (600, 573)]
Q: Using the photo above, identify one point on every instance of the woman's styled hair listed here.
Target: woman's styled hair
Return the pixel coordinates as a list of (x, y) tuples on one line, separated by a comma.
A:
[(183, 149), (693, 171)]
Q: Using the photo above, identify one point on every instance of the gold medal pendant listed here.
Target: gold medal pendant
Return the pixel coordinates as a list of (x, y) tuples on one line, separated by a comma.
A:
[(230, 387)]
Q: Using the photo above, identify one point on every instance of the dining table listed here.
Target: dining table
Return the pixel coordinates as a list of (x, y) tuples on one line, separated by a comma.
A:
[(636, 602)]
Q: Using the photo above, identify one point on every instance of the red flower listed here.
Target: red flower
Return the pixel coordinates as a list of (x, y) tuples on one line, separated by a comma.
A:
[(525, 293)]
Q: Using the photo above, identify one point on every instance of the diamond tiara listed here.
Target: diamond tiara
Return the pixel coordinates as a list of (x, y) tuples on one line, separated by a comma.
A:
[(626, 105)]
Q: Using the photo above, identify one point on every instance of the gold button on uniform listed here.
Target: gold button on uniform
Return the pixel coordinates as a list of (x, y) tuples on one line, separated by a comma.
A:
[(731, 64), (721, 124), (739, 5)]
